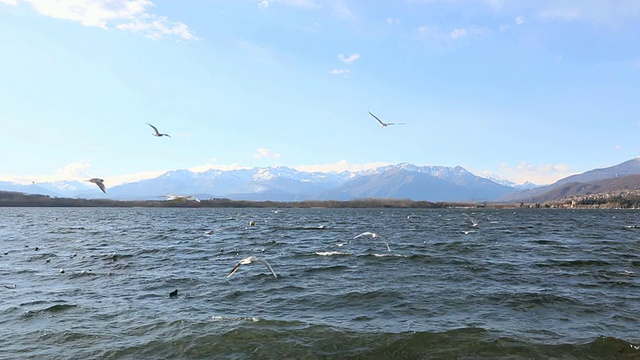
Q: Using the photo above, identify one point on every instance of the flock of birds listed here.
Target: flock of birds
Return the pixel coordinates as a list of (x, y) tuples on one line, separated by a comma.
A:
[(100, 182), (251, 259)]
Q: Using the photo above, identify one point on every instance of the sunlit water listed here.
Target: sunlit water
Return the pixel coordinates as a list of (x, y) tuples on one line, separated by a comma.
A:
[(88, 283)]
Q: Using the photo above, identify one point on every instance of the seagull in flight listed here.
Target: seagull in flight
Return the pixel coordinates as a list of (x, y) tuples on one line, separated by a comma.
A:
[(100, 184), (383, 124), (474, 223), (375, 236), (249, 260), (156, 132)]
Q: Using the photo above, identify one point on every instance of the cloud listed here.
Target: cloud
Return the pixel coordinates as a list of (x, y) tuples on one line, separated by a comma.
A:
[(597, 11), (393, 21), (519, 20), (128, 15), (457, 33), (349, 59), (134, 177), (260, 153), (339, 71), (537, 174), (306, 4), (340, 166), (158, 28), (73, 171), (9, 2)]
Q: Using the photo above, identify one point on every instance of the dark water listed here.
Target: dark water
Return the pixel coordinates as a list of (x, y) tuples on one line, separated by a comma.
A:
[(524, 284)]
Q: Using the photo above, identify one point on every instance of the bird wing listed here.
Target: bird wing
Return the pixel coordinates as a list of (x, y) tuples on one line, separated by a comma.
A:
[(475, 223), (101, 186), (154, 129), (380, 121), (385, 242), (363, 234), (269, 266), (235, 268), (394, 123)]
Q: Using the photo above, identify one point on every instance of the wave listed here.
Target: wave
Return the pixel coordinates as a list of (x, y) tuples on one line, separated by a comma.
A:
[(332, 253), (573, 263), (50, 309), (258, 338)]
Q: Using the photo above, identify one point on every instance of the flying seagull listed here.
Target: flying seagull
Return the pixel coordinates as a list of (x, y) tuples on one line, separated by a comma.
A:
[(156, 132), (474, 223), (383, 124), (250, 260), (100, 184), (375, 236)]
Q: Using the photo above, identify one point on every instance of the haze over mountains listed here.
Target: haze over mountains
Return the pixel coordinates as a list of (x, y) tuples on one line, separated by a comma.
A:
[(402, 181)]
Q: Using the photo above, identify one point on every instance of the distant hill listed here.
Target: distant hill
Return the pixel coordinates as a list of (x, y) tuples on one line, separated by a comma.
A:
[(579, 183), (402, 181)]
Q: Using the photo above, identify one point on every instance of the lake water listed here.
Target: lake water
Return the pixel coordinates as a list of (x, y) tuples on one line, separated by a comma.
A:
[(94, 283)]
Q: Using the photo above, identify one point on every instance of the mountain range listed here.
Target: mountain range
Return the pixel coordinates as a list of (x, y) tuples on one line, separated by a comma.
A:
[(401, 181)]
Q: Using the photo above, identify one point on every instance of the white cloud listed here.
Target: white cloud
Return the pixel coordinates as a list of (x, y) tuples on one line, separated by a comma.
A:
[(307, 4), (158, 28), (9, 2), (339, 71), (457, 33), (349, 59), (134, 177), (393, 21), (338, 167), (73, 171), (519, 20), (260, 153), (129, 15), (437, 36), (537, 174), (598, 11)]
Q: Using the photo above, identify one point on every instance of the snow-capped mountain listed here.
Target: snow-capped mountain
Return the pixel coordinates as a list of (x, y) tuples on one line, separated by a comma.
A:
[(406, 181)]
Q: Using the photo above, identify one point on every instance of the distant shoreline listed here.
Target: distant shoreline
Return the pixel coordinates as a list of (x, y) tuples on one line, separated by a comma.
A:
[(17, 199)]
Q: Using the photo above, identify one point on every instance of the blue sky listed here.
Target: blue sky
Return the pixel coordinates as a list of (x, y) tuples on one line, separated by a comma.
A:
[(524, 90)]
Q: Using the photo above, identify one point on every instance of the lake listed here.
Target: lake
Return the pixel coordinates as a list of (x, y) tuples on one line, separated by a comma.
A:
[(95, 283)]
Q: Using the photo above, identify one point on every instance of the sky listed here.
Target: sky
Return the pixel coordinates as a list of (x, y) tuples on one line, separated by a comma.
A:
[(521, 90)]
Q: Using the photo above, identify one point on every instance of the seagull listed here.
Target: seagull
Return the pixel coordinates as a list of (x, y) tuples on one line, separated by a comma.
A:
[(374, 235), (156, 132), (100, 184), (250, 260), (473, 222), (383, 124)]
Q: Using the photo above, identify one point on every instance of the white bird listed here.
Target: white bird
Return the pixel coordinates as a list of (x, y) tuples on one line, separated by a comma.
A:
[(100, 184), (383, 124), (156, 132), (250, 260), (375, 236), (474, 223)]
